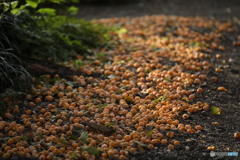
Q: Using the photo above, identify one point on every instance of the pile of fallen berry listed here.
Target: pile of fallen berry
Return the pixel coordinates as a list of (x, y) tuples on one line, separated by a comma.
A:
[(130, 97)]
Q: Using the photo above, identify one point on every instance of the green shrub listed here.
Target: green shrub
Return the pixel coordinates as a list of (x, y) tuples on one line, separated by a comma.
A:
[(59, 38), (12, 74)]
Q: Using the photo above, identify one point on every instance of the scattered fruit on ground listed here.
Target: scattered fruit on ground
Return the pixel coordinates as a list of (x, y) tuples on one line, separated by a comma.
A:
[(130, 97)]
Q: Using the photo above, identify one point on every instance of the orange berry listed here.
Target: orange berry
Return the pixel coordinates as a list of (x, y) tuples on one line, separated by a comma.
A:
[(111, 152), (198, 127), (9, 116), (69, 88), (49, 98), (188, 126), (122, 157), (151, 146), (191, 97), (43, 110), (31, 104), (170, 146), (222, 89), (42, 157), (164, 141), (211, 148), (170, 134), (60, 94), (127, 138), (56, 151), (176, 143), (6, 155), (199, 90), (38, 100), (218, 70), (104, 155), (10, 141), (214, 79), (155, 141), (185, 116), (28, 111), (237, 135)]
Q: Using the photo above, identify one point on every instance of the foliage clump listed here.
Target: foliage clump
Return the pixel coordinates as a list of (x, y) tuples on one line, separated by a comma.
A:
[(42, 33), (36, 29)]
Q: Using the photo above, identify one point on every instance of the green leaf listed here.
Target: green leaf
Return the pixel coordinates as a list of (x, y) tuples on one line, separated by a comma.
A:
[(73, 137), (121, 31), (56, 1), (78, 63), (160, 99), (73, 155), (40, 1), (167, 79), (69, 83), (148, 133), (25, 138), (101, 105), (32, 3), (118, 91), (92, 150), (63, 141), (109, 124), (15, 11), (129, 99), (101, 54), (141, 144), (75, 1), (72, 10), (47, 11), (215, 110), (84, 136), (14, 4), (120, 62)]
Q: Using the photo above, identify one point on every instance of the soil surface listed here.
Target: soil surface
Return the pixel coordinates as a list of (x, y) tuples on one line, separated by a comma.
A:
[(218, 129), (220, 9)]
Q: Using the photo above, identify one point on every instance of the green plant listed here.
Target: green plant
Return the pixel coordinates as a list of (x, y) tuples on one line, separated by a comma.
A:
[(12, 74), (91, 150), (42, 33), (36, 7)]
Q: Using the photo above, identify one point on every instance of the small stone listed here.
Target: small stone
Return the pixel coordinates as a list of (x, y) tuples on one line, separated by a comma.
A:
[(215, 123)]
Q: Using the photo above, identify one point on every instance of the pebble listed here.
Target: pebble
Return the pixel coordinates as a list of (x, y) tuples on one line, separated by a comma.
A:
[(187, 148)]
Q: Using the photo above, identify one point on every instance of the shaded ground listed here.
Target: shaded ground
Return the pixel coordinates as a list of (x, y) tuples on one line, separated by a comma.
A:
[(220, 9)]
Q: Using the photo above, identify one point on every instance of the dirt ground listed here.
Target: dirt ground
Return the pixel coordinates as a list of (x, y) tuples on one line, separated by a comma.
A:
[(220, 9), (218, 129)]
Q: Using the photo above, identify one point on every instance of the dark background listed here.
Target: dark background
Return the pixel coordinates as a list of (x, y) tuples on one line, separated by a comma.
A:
[(221, 9)]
